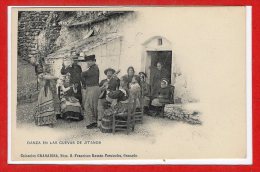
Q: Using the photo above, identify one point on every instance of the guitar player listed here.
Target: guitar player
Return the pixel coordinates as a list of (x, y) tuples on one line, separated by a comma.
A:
[(111, 83)]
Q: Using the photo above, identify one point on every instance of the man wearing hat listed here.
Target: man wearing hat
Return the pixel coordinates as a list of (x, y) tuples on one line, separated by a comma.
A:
[(90, 82), (70, 66), (107, 85), (111, 83)]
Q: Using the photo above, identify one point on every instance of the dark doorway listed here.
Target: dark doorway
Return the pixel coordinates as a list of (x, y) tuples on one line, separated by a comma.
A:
[(161, 56)]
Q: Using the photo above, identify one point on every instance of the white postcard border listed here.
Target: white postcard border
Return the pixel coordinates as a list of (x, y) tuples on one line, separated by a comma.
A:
[(247, 161)]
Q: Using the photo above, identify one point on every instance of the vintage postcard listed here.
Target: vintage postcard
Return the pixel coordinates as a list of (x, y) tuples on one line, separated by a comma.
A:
[(129, 85)]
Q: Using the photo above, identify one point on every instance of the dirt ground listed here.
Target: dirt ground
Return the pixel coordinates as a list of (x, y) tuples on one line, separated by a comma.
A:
[(155, 138), (77, 130)]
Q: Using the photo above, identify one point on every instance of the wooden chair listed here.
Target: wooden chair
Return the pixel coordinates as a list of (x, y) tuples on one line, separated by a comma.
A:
[(139, 115), (171, 100), (125, 121)]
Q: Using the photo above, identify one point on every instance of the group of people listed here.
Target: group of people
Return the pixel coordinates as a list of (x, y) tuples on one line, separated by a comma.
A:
[(78, 94)]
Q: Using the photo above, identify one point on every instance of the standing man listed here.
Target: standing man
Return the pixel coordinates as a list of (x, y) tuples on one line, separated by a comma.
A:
[(70, 66), (90, 82), (109, 84)]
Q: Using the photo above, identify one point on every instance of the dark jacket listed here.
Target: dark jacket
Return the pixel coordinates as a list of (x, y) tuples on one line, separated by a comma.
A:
[(75, 73), (165, 95), (113, 83), (118, 94), (156, 78), (91, 76)]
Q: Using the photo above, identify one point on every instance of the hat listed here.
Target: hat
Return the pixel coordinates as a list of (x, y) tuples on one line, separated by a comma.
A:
[(142, 73), (109, 69), (90, 58), (166, 80), (80, 57)]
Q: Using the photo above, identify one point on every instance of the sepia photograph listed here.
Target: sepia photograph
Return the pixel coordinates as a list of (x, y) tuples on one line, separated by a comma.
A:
[(95, 85)]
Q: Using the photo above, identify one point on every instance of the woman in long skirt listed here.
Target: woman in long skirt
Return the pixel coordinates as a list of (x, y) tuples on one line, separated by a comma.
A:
[(70, 105), (48, 105)]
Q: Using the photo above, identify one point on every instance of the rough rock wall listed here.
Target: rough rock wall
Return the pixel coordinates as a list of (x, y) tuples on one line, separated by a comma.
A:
[(48, 36), (30, 25), (37, 33), (43, 32), (26, 82)]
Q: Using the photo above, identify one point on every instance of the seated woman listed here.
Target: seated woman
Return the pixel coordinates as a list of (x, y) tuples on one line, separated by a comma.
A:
[(163, 96), (119, 104), (70, 105)]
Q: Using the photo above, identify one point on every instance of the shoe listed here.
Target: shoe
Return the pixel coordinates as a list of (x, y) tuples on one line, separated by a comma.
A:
[(90, 126)]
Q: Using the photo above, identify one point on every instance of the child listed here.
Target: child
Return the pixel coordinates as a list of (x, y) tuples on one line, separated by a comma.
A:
[(164, 96), (145, 91), (135, 91)]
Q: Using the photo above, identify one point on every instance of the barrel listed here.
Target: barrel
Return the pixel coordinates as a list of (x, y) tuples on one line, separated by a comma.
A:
[(106, 124)]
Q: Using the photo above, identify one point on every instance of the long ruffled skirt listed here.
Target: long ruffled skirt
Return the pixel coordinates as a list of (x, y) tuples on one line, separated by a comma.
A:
[(45, 109)]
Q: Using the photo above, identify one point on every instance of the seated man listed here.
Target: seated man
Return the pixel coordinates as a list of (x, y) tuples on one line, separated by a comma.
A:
[(163, 96), (119, 100), (111, 83)]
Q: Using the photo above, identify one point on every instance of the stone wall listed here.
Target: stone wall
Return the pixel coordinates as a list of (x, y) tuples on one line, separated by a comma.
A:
[(37, 33), (48, 36), (26, 82), (31, 25), (43, 32)]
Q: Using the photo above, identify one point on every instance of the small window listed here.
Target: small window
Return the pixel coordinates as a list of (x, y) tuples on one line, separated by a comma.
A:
[(160, 41)]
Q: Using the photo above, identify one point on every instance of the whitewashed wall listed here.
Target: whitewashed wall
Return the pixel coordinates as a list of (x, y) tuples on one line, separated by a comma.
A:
[(196, 43)]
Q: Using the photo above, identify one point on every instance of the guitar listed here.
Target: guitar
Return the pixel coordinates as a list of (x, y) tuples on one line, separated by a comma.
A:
[(105, 85)]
